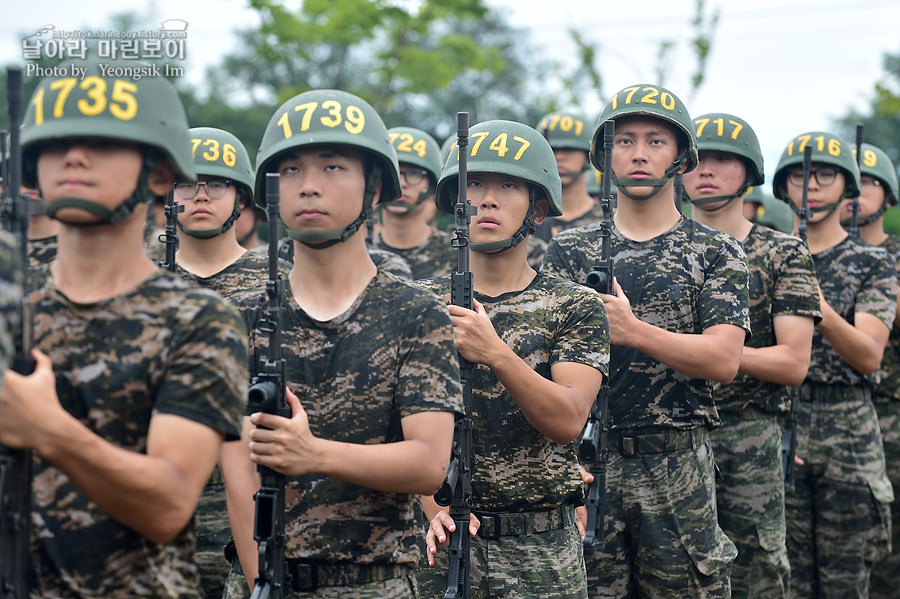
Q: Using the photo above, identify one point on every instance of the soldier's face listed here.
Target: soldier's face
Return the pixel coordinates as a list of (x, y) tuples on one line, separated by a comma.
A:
[(246, 222), (871, 197), (717, 174), (97, 170), (643, 148), (414, 181), (321, 187), (204, 211), (502, 203), (818, 194), (569, 162)]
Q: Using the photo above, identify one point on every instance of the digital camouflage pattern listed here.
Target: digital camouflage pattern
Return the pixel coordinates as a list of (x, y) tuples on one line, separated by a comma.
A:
[(684, 281), (392, 588), (547, 565), (10, 297), (153, 244), (661, 532), (838, 518), (747, 447), (782, 282), (536, 250), (854, 277), (750, 501), (248, 272), (432, 258), (356, 376), (165, 347), (42, 251), (886, 574), (554, 225), (515, 467), (384, 260)]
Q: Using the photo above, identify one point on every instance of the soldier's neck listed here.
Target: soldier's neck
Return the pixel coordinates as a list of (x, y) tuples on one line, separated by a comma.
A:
[(499, 273), (404, 231), (206, 257), (576, 201), (874, 232), (640, 220)]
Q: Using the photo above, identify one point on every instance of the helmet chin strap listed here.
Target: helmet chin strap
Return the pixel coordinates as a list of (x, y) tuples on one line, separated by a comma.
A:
[(863, 221), (209, 233), (655, 184), (828, 209), (104, 215), (407, 208), (569, 178), (320, 240), (527, 228), (701, 202)]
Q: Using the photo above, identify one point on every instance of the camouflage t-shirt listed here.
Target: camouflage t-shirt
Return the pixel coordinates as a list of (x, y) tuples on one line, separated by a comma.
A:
[(432, 258), (10, 297), (855, 277), (248, 272), (554, 225), (42, 251), (516, 467), (684, 281), (154, 242), (888, 387), (390, 355), (165, 347), (782, 282)]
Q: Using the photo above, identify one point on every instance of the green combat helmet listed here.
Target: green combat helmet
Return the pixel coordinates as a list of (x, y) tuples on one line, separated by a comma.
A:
[(827, 148), (771, 212), (446, 147), (417, 148), (655, 102), (567, 131), (722, 132), (876, 163), (218, 153), (102, 105), (509, 148), (328, 116)]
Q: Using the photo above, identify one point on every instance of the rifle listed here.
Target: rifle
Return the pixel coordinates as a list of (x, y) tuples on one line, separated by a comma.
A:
[(15, 465), (679, 190), (593, 450), (854, 202), (170, 237), (789, 431), (456, 491), (267, 394)]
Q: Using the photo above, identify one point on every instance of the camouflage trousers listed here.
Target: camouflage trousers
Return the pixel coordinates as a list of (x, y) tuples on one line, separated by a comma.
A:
[(885, 581), (394, 588), (838, 519), (750, 501), (546, 565), (662, 538), (213, 533)]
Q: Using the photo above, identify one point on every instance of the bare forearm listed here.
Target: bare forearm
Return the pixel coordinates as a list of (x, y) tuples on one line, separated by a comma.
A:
[(145, 493), (699, 356), (775, 364), (856, 347), (241, 482), (556, 411)]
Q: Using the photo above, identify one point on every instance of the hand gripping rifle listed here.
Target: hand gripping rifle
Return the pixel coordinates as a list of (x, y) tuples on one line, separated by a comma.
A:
[(789, 431), (15, 465), (593, 450), (267, 394), (456, 492), (170, 237)]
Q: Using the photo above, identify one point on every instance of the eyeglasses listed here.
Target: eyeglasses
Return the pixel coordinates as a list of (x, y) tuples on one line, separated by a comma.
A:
[(214, 188), (413, 176), (824, 176), (870, 181)]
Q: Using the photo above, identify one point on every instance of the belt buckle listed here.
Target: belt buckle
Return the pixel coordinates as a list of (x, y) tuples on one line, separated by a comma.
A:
[(304, 576), (629, 445)]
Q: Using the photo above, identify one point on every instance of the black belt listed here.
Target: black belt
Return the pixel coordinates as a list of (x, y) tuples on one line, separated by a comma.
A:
[(305, 575), (631, 444), (509, 524)]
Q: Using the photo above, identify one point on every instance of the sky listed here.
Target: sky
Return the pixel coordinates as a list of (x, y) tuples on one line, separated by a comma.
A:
[(784, 66)]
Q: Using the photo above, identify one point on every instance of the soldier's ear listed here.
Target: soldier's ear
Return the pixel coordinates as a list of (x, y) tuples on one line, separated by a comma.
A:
[(161, 178), (541, 209)]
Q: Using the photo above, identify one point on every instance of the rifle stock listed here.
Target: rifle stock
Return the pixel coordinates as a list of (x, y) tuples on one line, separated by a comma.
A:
[(456, 492), (267, 394), (593, 449), (15, 465)]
